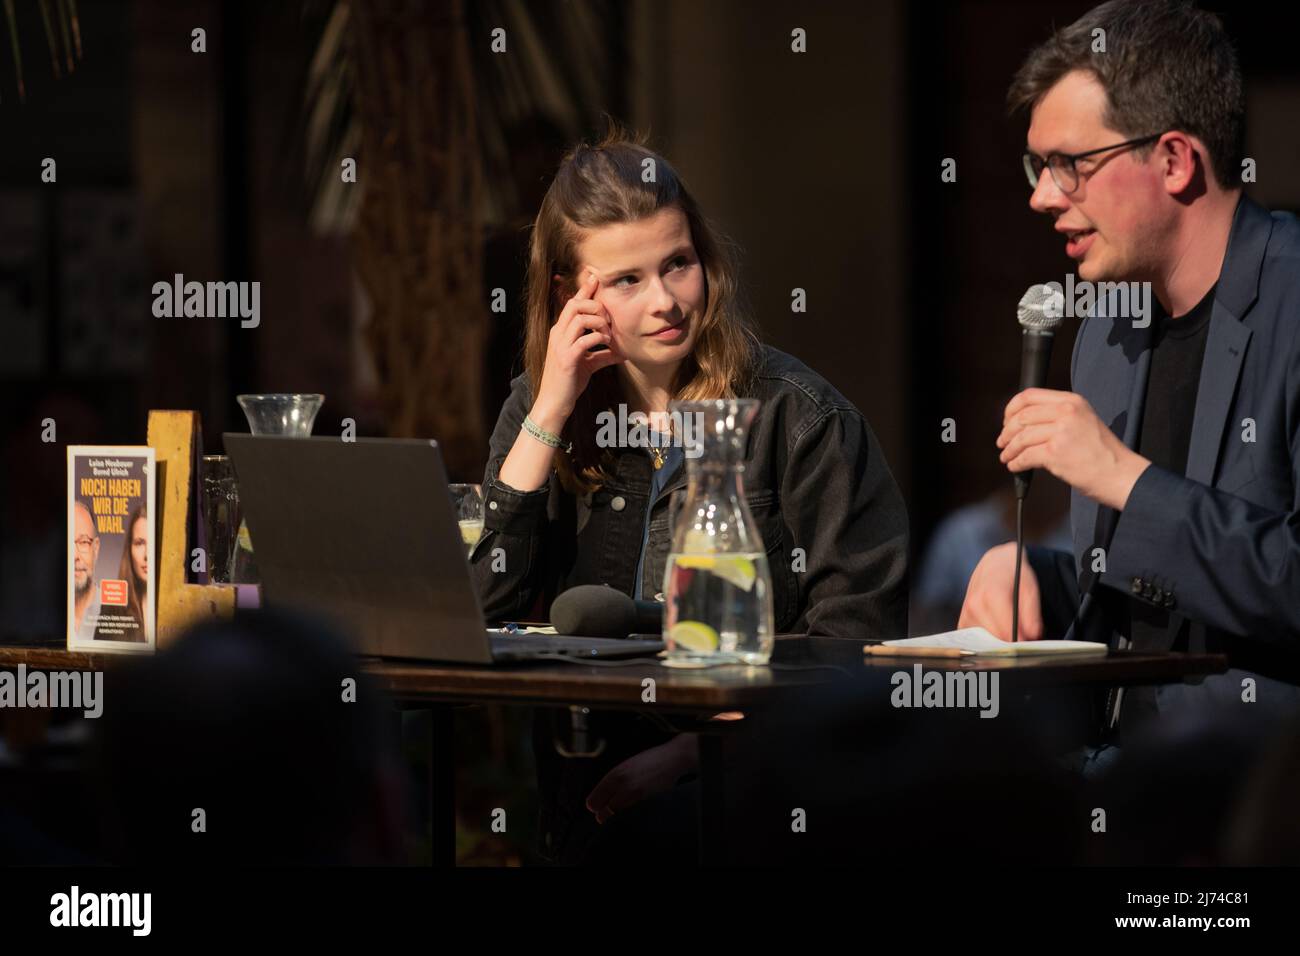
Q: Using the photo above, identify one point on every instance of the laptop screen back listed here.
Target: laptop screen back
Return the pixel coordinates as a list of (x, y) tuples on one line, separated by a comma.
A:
[(362, 532)]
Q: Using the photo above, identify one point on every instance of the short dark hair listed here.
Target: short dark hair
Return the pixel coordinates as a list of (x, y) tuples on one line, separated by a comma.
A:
[(1167, 65), (247, 719)]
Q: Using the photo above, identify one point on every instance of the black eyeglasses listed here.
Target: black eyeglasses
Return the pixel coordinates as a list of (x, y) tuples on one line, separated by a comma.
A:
[(1064, 174)]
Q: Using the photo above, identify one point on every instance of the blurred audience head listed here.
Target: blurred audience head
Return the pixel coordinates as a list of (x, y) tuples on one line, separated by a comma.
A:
[(245, 726)]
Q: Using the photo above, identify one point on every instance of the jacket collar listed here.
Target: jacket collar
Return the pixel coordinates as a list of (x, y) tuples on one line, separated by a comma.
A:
[(1225, 349), (1228, 336), (1225, 346), (1242, 263)]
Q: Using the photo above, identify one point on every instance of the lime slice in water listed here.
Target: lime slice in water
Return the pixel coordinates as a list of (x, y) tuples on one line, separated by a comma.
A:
[(732, 569), (693, 636)]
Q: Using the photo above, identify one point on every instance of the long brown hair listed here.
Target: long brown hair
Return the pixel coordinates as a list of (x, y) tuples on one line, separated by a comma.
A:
[(602, 185), (137, 590)]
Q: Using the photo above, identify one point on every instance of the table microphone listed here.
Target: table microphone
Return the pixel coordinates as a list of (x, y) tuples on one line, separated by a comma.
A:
[(1039, 314), (598, 610)]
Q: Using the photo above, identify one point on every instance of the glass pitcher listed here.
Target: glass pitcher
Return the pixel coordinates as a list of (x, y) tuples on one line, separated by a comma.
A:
[(717, 588)]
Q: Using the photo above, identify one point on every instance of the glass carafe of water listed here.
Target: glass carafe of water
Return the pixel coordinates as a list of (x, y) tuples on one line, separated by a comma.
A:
[(717, 588)]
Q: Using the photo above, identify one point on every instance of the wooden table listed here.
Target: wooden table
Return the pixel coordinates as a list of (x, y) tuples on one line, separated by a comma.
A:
[(685, 700)]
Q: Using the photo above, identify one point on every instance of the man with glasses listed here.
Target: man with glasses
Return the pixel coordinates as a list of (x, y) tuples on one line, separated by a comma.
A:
[(1180, 438), (1065, 171), (85, 544)]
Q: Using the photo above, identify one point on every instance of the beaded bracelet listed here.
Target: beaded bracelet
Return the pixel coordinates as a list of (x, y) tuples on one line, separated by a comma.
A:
[(545, 437)]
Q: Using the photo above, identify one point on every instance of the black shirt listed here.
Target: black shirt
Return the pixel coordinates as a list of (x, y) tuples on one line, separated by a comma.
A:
[(1178, 347)]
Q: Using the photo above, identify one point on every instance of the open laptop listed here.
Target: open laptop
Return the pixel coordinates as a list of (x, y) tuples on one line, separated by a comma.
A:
[(364, 532)]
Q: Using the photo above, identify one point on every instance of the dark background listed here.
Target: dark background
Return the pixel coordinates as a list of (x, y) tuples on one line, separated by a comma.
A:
[(823, 166)]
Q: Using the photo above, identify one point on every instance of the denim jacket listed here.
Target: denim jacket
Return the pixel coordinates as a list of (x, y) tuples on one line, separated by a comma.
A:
[(815, 479)]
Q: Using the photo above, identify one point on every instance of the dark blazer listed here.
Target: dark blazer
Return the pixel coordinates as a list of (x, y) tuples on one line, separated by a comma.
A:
[(815, 479), (1220, 546)]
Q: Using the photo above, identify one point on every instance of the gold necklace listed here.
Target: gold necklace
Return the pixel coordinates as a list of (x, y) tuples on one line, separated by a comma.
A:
[(658, 452)]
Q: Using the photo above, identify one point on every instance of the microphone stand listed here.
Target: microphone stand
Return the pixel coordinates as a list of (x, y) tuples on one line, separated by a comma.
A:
[(1020, 553), (1022, 492)]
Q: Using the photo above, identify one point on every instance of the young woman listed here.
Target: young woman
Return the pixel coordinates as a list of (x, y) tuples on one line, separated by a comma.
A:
[(632, 300), (134, 570)]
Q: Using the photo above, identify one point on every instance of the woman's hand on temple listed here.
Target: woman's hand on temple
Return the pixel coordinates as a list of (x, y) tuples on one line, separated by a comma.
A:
[(583, 324)]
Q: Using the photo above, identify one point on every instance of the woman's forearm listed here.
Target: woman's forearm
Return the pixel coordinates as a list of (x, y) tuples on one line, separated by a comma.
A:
[(528, 466)]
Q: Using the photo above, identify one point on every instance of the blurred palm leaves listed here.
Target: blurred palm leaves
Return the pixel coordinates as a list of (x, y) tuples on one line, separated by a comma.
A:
[(329, 129), (438, 122), (62, 35), (564, 63)]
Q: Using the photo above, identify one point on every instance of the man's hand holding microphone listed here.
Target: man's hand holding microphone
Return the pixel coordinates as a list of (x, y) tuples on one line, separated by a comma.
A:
[(1057, 431)]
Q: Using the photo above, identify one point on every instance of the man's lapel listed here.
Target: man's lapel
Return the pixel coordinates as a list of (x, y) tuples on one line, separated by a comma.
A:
[(1225, 350), (1225, 346)]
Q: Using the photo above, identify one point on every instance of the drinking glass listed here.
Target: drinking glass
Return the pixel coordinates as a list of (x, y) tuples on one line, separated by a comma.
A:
[(221, 516), (288, 414), (468, 502)]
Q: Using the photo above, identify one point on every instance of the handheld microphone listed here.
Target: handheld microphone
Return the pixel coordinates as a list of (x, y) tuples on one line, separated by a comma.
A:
[(1039, 314), (597, 610)]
